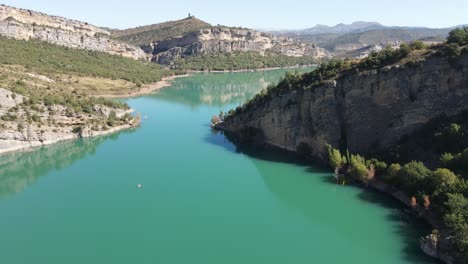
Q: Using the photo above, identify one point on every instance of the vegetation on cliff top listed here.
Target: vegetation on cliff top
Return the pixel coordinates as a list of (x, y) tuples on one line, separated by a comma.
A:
[(239, 61), (407, 55), (153, 33)]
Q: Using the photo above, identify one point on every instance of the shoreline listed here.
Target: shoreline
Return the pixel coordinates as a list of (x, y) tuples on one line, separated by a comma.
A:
[(426, 245), (166, 81), (12, 146), (147, 89), (253, 70)]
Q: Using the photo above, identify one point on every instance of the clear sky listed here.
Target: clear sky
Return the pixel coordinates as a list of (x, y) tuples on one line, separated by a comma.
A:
[(285, 14)]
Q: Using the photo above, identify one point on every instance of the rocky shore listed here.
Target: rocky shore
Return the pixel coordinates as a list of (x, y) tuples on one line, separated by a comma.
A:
[(22, 143), (148, 89), (25, 127)]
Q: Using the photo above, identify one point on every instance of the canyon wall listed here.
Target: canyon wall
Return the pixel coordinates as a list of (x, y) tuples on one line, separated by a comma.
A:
[(362, 112), (25, 25), (229, 40)]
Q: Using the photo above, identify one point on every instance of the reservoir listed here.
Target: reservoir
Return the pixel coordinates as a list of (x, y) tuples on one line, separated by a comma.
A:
[(201, 199)]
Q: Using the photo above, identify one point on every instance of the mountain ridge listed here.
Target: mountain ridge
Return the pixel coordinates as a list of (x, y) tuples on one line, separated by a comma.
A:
[(26, 24), (346, 40)]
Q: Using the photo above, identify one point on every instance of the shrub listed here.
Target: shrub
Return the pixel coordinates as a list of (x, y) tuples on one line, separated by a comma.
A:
[(442, 180), (412, 175), (357, 168), (392, 173), (112, 119), (452, 51), (380, 166), (458, 36), (36, 118), (334, 157), (458, 162), (417, 45), (456, 219), (77, 130)]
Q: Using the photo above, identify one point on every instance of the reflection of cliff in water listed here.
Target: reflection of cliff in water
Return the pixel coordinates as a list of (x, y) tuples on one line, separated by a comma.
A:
[(300, 189), (327, 205), (19, 170), (218, 89)]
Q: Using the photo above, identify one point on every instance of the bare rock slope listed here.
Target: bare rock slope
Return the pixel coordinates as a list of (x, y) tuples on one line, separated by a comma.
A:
[(26, 24)]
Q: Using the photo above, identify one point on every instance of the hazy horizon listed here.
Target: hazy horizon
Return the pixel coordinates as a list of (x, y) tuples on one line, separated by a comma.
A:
[(295, 15)]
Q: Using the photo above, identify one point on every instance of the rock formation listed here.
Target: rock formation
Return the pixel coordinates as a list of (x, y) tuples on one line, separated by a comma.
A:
[(228, 40), (363, 111), (25, 24), (55, 125)]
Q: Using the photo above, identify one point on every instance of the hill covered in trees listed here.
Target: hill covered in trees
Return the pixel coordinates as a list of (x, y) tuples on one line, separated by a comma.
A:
[(144, 35)]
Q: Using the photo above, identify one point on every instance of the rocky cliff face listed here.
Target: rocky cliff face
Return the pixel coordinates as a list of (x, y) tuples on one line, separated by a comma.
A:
[(362, 112), (229, 40), (25, 24), (55, 123)]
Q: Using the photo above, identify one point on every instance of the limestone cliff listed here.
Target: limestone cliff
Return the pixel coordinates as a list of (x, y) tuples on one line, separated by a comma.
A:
[(361, 111), (26, 24), (53, 123), (228, 40)]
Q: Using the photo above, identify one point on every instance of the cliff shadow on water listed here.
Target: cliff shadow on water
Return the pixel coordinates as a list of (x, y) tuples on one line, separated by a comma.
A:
[(404, 223), (21, 169)]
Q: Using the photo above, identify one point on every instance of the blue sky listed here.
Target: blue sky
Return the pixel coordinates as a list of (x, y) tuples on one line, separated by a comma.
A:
[(290, 14)]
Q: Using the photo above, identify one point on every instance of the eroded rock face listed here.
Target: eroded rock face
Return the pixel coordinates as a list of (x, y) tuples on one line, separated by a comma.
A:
[(55, 123), (25, 24), (361, 112), (228, 40)]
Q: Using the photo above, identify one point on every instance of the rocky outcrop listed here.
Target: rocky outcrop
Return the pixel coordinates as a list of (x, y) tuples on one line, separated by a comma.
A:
[(360, 111), (25, 24), (229, 40), (51, 126), (435, 246)]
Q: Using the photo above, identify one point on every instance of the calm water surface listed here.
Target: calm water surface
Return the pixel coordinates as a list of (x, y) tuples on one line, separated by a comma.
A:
[(201, 201)]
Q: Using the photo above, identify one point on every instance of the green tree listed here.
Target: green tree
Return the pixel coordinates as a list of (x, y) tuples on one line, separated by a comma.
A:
[(458, 36), (452, 51), (112, 119), (412, 175), (442, 180), (392, 173), (456, 219), (334, 157), (417, 45), (357, 168)]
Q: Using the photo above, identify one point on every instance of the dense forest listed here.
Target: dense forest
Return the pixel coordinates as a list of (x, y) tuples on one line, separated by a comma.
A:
[(239, 61)]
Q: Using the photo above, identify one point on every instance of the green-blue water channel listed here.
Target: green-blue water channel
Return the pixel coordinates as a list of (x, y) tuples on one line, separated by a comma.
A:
[(201, 200)]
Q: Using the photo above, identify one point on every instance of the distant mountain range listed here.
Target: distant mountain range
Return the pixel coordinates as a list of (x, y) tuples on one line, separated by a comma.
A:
[(344, 39)]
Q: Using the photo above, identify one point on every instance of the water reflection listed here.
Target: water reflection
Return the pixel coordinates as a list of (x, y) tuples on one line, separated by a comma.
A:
[(21, 169), (328, 205), (220, 89)]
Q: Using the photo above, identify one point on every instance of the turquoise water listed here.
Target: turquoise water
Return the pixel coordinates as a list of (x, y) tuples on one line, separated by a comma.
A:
[(201, 201)]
